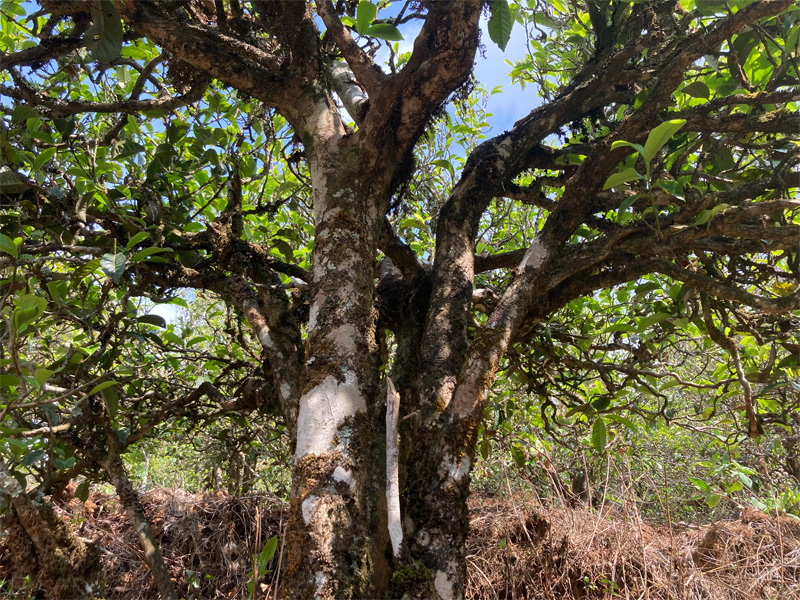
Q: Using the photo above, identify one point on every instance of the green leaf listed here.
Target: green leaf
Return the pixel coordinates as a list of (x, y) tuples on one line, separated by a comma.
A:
[(139, 237), (365, 15), (285, 248), (21, 113), (599, 435), (32, 300), (156, 320), (623, 176), (385, 31), (712, 500), (500, 23), (7, 381), (660, 136), (625, 204), (104, 37), (10, 183), (22, 317), (267, 552), (518, 455), (44, 156), (624, 421), (698, 89), (101, 386), (147, 252), (8, 246), (126, 148), (620, 143), (113, 265), (32, 457), (65, 126), (82, 492), (111, 396), (700, 484), (672, 187), (83, 270), (542, 18), (14, 8), (485, 448), (42, 375)]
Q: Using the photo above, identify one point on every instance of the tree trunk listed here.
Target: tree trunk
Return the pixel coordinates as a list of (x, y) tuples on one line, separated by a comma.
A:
[(130, 500), (337, 532), (44, 547)]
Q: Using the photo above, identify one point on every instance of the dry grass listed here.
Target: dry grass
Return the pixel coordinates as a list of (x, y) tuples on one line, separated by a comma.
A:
[(548, 553), (517, 550)]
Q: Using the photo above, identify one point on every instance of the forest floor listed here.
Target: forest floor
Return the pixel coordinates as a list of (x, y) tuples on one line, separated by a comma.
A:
[(518, 548)]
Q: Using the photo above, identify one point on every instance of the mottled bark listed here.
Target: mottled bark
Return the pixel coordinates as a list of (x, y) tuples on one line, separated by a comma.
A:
[(43, 547)]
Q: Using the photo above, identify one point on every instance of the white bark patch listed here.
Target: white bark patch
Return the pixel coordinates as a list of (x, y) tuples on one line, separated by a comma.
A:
[(265, 339), (286, 391), (322, 411), (535, 256), (320, 579), (342, 475), (344, 338), (504, 149), (443, 584), (455, 472), (308, 507), (312, 316)]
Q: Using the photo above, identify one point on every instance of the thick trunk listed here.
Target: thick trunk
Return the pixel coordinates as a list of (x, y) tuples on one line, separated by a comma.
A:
[(436, 521), (337, 529)]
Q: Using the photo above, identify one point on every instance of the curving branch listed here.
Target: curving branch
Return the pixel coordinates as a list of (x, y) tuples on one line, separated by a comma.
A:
[(368, 75)]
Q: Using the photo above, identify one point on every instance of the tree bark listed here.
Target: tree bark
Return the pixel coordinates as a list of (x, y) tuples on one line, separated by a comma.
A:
[(44, 547), (130, 501), (338, 470)]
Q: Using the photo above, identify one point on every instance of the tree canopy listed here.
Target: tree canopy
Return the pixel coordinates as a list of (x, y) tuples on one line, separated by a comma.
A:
[(319, 180)]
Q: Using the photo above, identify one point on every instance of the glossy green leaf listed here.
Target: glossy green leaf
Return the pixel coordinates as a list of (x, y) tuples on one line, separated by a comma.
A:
[(101, 386), (148, 252), (622, 143), (139, 237), (267, 552), (42, 375), (660, 136), (365, 15), (624, 176), (697, 89), (111, 397), (599, 435), (33, 457), (500, 23), (113, 265), (156, 320), (385, 31), (104, 37), (8, 246)]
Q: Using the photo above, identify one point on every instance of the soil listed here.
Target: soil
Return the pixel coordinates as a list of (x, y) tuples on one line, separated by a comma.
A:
[(518, 549)]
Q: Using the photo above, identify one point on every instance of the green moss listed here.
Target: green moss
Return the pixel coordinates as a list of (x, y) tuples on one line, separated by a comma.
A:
[(412, 578)]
